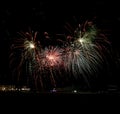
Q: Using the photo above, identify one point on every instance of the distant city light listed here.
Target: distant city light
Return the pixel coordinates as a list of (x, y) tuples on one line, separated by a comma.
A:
[(75, 91)]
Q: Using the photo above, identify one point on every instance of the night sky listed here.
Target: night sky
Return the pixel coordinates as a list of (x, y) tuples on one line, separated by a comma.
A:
[(51, 17)]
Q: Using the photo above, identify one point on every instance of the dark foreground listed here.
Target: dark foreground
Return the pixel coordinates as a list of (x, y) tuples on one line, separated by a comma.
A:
[(103, 97), (59, 101)]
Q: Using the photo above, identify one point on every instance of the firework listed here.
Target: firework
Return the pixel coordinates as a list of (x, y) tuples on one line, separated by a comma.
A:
[(23, 52), (48, 63), (84, 55), (81, 55)]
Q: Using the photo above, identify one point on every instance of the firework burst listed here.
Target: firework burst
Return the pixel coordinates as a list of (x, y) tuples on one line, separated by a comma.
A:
[(48, 64), (84, 55), (23, 52)]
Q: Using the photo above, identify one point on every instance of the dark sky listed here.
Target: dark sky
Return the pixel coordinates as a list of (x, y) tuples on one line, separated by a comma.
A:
[(51, 17)]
